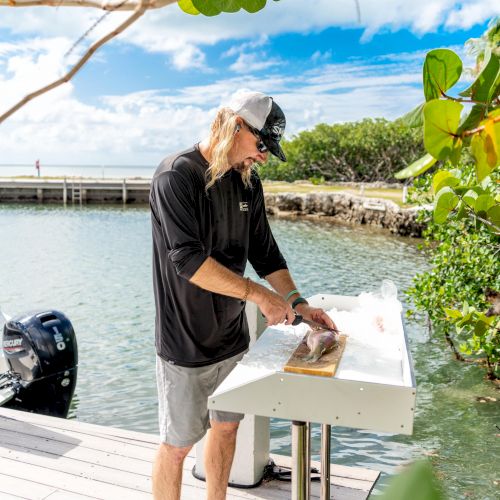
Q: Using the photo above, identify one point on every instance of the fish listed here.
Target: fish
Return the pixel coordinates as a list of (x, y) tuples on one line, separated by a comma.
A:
[(319, 342)]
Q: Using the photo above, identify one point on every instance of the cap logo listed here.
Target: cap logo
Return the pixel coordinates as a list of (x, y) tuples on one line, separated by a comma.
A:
[(277, 132)]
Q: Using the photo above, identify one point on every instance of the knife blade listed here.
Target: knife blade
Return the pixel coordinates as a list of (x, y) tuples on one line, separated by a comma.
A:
[(300, 319)]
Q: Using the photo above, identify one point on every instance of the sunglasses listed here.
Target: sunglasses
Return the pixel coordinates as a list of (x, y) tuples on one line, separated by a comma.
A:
[(261, 147)]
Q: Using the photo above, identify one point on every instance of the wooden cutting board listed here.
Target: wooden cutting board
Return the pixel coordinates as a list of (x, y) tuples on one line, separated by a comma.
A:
[(326, 366)]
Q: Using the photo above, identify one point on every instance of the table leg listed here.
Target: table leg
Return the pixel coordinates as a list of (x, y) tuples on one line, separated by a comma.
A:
[(299, 465), (325, 461)]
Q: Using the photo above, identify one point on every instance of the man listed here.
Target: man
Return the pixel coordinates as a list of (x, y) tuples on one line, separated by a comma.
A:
[(208, 219)]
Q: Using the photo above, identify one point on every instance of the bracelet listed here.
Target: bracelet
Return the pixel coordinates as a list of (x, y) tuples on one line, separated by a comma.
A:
[(299, 300), (247, 290), (289, 294)]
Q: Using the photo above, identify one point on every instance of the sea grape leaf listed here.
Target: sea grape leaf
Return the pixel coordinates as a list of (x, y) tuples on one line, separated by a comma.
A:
[(442, 69), (207, 7), (470, 198), (441, 119), (446, 201), (443, 178), (416, 482), (493, 215), (485, 146), (483, 203), (188, 7), (484, 85), (253, 5), (229, 5), (415, 117), (417, 167)]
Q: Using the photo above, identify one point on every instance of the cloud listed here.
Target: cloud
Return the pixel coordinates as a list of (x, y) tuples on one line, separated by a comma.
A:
[(250, 63), (142, 127), (188, 57), (319, 56), (167, 30)]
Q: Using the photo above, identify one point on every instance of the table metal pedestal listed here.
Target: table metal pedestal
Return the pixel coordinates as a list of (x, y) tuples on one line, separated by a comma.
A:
[(301, 460)]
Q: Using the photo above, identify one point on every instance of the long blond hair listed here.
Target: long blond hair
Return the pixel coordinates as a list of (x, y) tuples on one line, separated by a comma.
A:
[(222, 134)]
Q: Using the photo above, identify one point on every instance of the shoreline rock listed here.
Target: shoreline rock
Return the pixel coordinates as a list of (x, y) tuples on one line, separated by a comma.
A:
[(347, 208)]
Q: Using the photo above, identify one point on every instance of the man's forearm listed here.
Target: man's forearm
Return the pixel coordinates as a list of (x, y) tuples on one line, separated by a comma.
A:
[(215, 277), (282, 282)]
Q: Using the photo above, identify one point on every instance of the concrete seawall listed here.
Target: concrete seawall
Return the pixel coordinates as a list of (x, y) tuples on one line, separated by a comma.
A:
[(347, 208), (337, 206), (74, 191)]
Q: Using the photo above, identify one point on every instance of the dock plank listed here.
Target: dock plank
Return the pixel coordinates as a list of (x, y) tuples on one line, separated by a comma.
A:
[(48, 458)]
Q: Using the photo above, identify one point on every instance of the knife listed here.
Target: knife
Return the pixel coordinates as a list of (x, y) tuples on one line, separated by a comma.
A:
[(300, 319)]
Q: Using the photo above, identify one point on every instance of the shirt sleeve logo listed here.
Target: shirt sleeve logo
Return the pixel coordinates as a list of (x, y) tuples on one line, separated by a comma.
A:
[(243, 206)]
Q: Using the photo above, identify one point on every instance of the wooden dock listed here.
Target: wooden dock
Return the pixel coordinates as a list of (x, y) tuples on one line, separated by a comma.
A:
[(49, 458), (74, 190)]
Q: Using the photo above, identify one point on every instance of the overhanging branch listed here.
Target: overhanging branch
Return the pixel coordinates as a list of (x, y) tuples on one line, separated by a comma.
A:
[(98, 4), (139, 9)]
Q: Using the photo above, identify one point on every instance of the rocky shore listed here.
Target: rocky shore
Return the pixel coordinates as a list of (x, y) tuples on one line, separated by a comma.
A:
[(348, 209)]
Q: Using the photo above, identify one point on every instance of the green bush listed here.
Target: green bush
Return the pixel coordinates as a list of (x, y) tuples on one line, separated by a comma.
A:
[(365, 151)]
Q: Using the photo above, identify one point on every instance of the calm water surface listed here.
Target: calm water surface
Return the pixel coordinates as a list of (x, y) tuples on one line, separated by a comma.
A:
[(94, 264)]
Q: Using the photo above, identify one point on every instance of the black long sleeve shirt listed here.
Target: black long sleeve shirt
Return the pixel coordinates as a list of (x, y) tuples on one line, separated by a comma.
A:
[(195, 327)]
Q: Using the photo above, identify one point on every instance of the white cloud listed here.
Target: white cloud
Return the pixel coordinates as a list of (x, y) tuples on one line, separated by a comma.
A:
[(242, 47), (249, 63), (319, 56), (187, 57), (167, 30), (142, 127)]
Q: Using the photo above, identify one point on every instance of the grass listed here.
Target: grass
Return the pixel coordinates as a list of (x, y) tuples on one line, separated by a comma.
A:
[(392, 194)]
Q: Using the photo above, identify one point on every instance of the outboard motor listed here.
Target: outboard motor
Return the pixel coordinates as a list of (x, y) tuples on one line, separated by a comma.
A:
[(41, 355)]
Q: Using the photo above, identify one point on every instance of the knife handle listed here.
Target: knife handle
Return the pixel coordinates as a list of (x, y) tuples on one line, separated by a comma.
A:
[(298, 319)]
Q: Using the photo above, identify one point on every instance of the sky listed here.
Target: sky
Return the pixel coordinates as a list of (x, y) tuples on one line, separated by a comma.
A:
[(155, 89)]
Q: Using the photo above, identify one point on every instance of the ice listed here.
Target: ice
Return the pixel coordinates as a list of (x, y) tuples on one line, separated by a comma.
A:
[(273, 349), (375, 348)]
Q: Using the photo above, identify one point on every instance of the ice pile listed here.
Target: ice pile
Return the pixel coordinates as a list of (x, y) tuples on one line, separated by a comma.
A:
[(376, 342)]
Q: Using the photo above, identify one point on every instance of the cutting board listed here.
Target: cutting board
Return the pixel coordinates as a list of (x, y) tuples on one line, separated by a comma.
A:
[(326, 366)]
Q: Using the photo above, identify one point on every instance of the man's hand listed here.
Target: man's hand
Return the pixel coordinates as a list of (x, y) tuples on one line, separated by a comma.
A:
[(316, 314), (275, 309)]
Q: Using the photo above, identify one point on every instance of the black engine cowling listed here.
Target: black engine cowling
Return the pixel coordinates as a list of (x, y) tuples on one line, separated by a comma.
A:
[(42, 357)]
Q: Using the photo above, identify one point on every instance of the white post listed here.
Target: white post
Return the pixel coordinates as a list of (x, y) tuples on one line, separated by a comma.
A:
[(124, 191), (405, 193), (65, 192), (252, 443)]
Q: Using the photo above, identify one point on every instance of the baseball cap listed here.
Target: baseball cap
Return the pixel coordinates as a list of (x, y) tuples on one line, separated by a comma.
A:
[(262, 114)]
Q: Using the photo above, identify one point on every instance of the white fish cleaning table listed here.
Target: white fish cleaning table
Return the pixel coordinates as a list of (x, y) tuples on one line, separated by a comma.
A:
[(373, 388)]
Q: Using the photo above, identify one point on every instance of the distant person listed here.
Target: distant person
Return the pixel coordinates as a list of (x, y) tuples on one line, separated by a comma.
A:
[(37, 166), (208, 220)]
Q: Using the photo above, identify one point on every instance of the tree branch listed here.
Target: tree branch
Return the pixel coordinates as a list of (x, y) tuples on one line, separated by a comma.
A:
[(140, 8), (98, 4), (474, 216)]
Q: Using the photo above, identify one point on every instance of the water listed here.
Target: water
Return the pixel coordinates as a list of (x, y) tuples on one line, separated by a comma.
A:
[(94, 264)]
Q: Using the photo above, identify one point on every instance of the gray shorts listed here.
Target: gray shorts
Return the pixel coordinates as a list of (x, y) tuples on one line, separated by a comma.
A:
[(182, 400)]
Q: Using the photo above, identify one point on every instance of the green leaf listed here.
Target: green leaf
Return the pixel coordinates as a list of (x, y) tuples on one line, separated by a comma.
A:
[(470, 198), (253, 5), (414, 118), (452, 313), (484, 203), (442, 69), (443, 178), (485, 146), (473, 119), (416, 168), (416, 482), (493, 215), (441, 119), (207, 7), (446, 201), (188, 7), (484, 85), (229, 5)]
